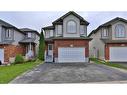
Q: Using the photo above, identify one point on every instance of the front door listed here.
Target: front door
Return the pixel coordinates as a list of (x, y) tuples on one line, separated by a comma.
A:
[(50, 49), (49, 56), (29, 51)]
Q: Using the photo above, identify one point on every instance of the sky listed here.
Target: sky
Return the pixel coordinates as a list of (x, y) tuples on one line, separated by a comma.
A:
[(37, 20)]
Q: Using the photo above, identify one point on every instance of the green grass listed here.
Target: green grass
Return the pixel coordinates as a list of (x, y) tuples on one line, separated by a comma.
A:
[(8, 73), (98, 61)]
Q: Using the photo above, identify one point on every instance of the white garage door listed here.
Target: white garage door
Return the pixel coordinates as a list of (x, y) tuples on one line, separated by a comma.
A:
[(2, 55), (118, 54), (71, 54)]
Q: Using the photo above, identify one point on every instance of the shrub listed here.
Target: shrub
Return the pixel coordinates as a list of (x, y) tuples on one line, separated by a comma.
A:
[(41, 47), (19, 59)]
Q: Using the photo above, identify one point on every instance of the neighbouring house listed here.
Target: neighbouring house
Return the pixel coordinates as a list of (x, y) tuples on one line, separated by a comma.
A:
[(110, 41), (31, 40), (66, 40), (15, 41)]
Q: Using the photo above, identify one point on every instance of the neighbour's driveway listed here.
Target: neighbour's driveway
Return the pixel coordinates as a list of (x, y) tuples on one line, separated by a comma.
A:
[(71, 73)]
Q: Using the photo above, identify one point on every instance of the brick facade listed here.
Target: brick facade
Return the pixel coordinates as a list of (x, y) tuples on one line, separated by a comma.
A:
[(107, 50), (12, 51), (68, 43)]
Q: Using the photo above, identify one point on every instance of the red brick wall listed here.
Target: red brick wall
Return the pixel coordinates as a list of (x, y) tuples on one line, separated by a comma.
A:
[(107, 50), (12, 51), (67, 43), (46, 45)]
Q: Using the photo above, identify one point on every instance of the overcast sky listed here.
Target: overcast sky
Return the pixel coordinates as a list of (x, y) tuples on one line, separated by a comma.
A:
[(37, 20)]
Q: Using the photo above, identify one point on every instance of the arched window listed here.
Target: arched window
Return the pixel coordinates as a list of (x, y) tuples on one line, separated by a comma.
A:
[(71, 27), (120, 31)]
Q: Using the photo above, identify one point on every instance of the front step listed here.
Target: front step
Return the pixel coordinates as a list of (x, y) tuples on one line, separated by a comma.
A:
[(49, 58)]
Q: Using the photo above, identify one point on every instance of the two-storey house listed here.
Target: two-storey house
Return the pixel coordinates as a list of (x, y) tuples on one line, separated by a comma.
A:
[(110, 41), (15, 41), (66, 40)]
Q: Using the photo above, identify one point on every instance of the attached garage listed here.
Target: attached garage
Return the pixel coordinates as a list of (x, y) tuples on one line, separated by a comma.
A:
[(2, 55), (118, 54), (68, 54)]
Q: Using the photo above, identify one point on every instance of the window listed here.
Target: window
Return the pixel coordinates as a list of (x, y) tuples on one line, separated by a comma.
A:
[(28, 48), (47, 33), (120, 31), (50, 46), (59, 29), (71, 26), (105, 32), (51, 33), (8, 33), (29, 35), (82, 30)]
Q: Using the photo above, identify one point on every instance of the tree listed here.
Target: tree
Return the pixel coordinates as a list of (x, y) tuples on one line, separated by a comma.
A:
[(41, 51)]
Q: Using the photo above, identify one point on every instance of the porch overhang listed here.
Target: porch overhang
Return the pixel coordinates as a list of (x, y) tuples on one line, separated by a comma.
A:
[(106, 41), (27, 41), (67, 38)]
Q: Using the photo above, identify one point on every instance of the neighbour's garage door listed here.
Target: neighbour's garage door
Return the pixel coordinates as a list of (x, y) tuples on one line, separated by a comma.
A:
[(2, 55), (71, 54), (118, 54)]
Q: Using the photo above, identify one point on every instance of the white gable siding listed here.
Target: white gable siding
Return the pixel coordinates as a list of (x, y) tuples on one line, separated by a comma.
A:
[(68, 18)]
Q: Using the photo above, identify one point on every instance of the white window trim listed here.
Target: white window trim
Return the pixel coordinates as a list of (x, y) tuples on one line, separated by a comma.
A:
[(75, 27), (118, 35), (84, 30), (8, 33), (29, 35), (105, 32), (59, 30), (50, 45)]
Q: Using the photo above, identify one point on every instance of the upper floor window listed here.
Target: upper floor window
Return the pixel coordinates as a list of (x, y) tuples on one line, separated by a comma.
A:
[(59, 29), (8, 33), (51, 33), (120, 31), (71, 26), (82, 30), (104, 32), (29, 35)]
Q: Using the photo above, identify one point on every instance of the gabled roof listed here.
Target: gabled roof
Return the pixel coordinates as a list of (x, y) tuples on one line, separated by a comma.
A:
[(60, 20), (108, 24), (29, 30), (3, 23), (48, 28), (7, 25)]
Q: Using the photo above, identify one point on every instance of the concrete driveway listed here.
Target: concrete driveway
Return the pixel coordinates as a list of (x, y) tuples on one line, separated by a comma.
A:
[(71, 73)]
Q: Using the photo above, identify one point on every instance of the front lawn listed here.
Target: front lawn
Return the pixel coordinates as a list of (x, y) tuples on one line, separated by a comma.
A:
[(98, 61), (8, 73)]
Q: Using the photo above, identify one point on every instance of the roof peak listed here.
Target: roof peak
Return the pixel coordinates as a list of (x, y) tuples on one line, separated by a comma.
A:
[(68, 13), (108, 23), (27, 29)]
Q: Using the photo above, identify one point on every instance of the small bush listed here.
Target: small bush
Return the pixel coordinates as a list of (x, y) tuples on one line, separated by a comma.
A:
[(19, 59)]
